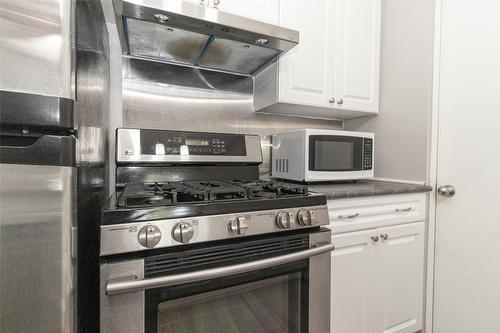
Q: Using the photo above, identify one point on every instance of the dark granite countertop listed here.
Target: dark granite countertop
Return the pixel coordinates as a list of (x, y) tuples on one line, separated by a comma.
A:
[(363, 188)]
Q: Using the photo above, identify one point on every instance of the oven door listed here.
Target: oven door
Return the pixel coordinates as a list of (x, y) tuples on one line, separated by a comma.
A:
[(337, 157), (278, 284)]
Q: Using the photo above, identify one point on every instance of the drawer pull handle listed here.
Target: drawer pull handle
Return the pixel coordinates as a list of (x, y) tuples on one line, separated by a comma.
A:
[(348, 216), (403, 209)]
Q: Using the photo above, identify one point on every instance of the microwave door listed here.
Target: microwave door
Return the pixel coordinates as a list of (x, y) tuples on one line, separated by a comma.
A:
[(329, 153)]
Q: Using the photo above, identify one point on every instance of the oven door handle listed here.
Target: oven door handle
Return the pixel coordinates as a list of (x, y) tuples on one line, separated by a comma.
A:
[(120, 286)]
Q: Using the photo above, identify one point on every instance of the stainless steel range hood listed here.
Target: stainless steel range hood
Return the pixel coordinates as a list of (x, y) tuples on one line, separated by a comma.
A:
[(189, 34)]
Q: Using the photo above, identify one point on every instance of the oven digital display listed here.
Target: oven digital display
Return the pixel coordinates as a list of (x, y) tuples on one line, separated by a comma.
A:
[(197, 142)]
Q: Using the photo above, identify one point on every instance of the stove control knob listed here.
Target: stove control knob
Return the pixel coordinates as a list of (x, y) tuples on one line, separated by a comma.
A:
[(238, 225), (306, 217), (182, 232), (284, 219), (149, 236)]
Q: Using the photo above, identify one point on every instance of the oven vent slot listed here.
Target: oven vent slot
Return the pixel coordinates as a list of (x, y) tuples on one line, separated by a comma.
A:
[(282, 165), (223, 255)]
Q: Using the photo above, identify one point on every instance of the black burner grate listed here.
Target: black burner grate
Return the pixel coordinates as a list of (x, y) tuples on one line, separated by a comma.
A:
[(271, 189), (173, 193), (216, 190)]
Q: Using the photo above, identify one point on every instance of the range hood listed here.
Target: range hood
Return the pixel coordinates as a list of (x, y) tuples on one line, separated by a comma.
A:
[(185, 33)]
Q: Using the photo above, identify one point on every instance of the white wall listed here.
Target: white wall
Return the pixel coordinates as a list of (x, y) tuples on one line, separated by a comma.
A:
[(403, 124)]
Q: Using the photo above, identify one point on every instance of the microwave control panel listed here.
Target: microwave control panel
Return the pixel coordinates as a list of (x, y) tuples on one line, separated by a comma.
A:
[(367, 154)]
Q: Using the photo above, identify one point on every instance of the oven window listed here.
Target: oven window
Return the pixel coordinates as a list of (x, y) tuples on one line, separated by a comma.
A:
[(263, 306), (335, 153), (248, 303)]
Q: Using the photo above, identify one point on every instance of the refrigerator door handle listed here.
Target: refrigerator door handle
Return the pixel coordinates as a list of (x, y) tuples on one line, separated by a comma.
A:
[(42, 150)]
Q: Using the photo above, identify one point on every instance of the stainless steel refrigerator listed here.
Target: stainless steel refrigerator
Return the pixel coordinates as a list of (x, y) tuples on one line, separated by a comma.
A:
[(54, 111), (38, 214)]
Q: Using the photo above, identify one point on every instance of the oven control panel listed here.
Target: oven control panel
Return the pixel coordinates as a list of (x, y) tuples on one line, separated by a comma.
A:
[(177, 143), (147, 146), (131, 237)]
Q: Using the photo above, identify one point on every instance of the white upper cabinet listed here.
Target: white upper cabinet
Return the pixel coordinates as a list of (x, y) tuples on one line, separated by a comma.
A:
[(260, 10), (357, 55), (305, 72), (333, 72), (336, 63)]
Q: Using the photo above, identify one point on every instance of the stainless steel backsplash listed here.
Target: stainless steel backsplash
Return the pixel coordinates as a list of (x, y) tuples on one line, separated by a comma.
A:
[(163, 96)]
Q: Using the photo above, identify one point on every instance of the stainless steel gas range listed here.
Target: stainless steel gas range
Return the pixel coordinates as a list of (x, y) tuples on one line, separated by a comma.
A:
[(194, 242)]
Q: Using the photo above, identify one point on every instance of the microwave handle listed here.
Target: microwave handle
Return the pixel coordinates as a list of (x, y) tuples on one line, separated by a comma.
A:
[(120, 286)]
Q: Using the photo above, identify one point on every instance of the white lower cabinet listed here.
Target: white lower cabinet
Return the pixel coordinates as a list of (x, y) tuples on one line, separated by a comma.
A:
[(399, 278), (377, 280), (353, 268)]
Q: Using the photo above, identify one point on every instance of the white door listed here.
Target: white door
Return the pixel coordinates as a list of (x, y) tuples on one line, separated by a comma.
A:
[(357, 53), (353, 282), (261, 10), (399, 272), (306, 72), (467, 248)]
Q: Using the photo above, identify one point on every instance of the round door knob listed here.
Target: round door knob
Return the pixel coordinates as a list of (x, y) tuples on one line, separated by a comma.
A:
[(340, 101), (182, 232), (446, 190), (238, 225), (384, 236), (305, 217), (331, 101), (374, 238), (283, 220), (149, 236)]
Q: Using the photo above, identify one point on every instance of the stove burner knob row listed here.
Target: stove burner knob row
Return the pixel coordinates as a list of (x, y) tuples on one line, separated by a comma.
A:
[(284, 219), (238, 225), (149, 236), (182, 232), (305, 217)]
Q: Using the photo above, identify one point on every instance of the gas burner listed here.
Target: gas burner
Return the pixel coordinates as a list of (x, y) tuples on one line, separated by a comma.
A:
[(176, 193), (211, 190), (271, 189)]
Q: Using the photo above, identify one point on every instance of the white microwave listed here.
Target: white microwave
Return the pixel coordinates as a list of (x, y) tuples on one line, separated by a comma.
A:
[(310, 155)]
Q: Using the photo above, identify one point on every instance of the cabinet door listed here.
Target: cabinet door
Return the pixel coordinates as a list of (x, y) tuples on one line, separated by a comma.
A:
[(399, 279), (357, 53), (261, 10), (306, 71), (353, 282)]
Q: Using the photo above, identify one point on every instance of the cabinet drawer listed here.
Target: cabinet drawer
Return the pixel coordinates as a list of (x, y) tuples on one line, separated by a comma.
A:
[(372, 212)]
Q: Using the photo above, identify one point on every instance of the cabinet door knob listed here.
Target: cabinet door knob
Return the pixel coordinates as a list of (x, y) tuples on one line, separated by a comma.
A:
[(446, 190), (340, 101), (375, 238), (332, 100), (384, 236)]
